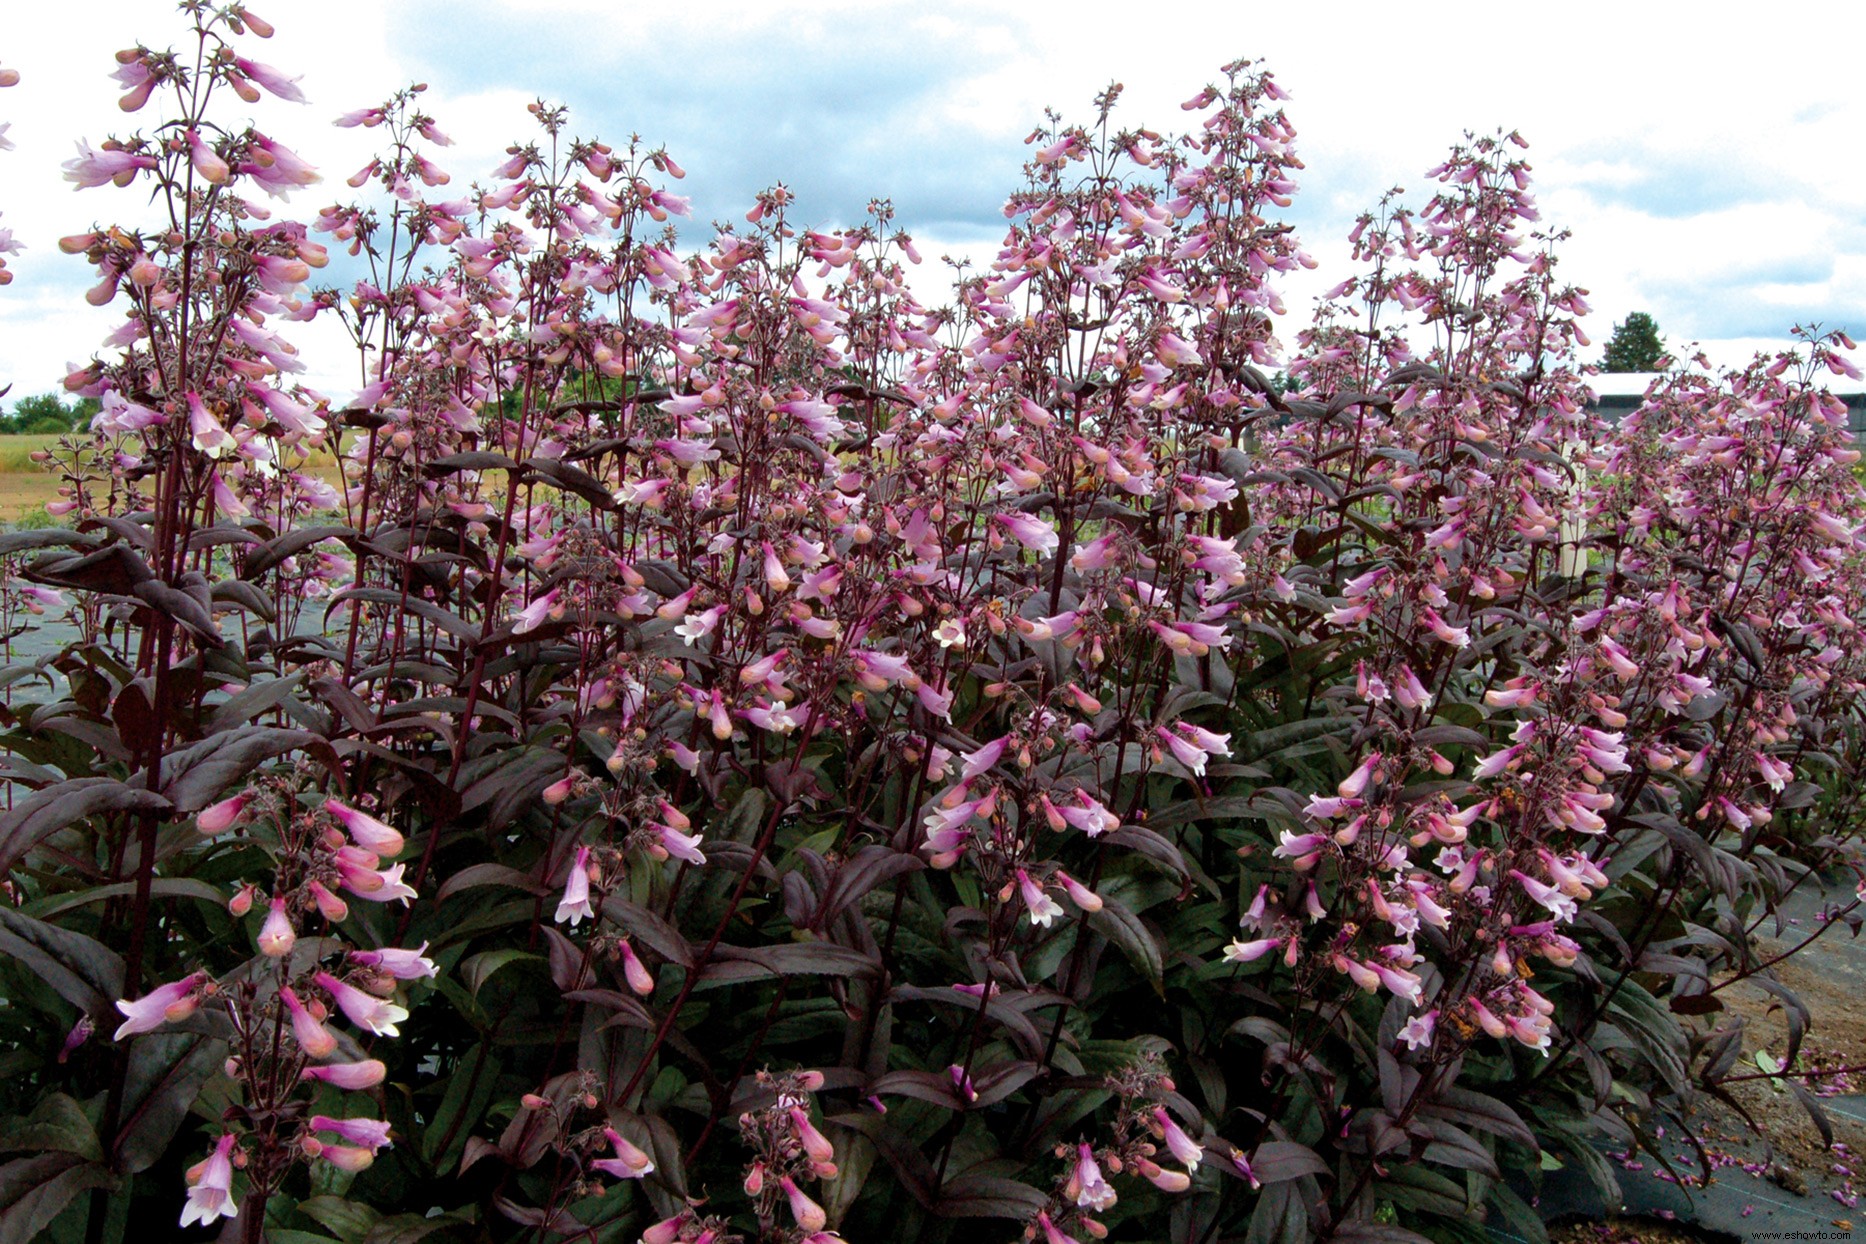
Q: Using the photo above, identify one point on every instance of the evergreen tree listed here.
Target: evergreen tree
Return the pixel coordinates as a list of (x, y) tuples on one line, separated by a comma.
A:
[(1635, 345)]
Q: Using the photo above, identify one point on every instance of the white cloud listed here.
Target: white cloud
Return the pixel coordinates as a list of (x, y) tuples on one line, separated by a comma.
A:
[(1704, 167)]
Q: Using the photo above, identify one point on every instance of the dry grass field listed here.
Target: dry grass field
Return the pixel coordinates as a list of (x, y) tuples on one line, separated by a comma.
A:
[(26, 486)]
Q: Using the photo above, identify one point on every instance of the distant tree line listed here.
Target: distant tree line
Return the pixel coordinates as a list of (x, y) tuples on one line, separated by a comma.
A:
[(47, 412)]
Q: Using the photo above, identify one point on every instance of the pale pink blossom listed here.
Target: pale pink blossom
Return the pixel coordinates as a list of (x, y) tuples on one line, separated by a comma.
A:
[(210, 1186), (164, 1004), (574, 907), (366, 1011)]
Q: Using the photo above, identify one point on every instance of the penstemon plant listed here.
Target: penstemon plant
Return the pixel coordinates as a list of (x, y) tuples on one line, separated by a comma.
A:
[(703, 747)]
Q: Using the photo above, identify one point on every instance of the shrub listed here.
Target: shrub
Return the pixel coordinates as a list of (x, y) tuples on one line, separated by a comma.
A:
[(1008, 760)]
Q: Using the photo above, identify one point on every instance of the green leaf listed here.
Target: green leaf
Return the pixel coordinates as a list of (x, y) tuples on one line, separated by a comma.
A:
[(470, 1090), (35, 1190), (166, 1072), (346, 1219), (57, 1124), (479, 969), (79, 969), (1123, 928)]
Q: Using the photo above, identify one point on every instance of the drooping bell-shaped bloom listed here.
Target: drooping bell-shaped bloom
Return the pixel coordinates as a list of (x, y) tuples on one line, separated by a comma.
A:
[(209, 436), (639, 978), (628, 1163), (313, 1038), (210, 1186), (1086, 1185), (207, 162), (535, 614), (814, 1143), (667, 1231), (808, 1213), (1042, 908), (276, 936), (366, 1011), (331, 907), (574, 907), (1030, 531), (162, 1005), (1355, 783)]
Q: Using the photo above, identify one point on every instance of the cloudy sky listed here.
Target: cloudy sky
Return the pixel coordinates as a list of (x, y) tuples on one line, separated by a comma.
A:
[(1709, 172)]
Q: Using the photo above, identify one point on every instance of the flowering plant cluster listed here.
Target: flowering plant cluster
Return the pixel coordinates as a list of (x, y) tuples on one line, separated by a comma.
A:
[(1017, 759)]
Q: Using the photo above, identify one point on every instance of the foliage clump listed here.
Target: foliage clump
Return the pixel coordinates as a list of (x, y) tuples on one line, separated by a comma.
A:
[(741, 754)]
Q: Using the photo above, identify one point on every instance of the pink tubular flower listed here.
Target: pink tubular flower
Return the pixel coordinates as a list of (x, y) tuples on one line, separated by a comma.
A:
[(1041, 906), (1051, 1233), (276, 936), (681, 846), (365, 830), (313, 1038), (209, 437), (1088, 816), (350, 1158), (210, 1186), (219, 817), (331, 907), (372, 1134), (1030, 531), (1086, 1185), (809, 1215), (574, 907), (814, 1143), (1078, 893), (350, 1077), (628, 1163), (1563, 907), (403, 965), (534, 615), (370, 1013), (1417, 1031), (387, 886), (1356, 782), (1250, 952), (639, 978), (94, 168), (1160, 1177), (162, 1005), (207, 162), (1181, 1146), (280, 85)]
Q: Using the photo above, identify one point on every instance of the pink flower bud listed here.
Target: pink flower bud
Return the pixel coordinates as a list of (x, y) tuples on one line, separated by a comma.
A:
[(242, 900), (814, 1143), (219, 817), (350, 1077), (808, 1213)]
